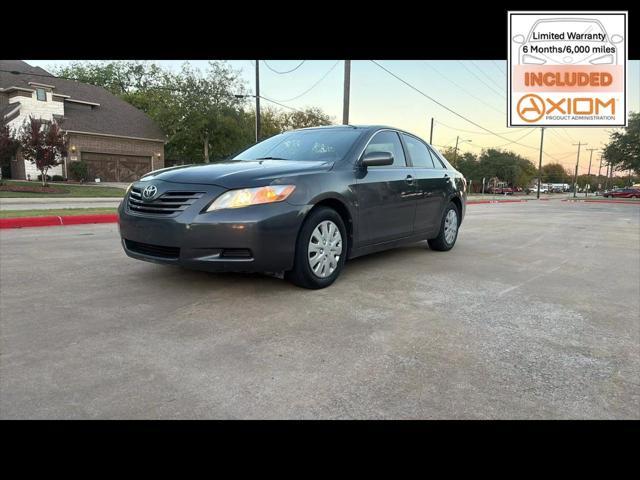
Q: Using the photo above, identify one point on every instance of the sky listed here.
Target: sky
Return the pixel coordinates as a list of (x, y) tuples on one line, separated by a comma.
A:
[(475, 89)]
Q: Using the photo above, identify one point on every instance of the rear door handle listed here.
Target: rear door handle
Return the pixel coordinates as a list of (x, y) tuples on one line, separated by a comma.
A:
[(409, 179)]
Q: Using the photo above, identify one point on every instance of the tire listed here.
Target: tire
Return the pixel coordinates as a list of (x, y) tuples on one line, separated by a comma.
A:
[(445, 241), (318, 227)]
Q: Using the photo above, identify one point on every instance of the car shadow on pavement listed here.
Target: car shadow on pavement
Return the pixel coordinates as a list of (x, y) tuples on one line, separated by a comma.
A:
[(176, 277)]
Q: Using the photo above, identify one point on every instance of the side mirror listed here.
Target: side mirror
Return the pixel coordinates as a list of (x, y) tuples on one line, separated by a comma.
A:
[(377, 159), (518, 39)]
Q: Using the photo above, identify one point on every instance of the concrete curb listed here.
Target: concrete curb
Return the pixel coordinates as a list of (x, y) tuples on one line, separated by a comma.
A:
[(51, 221)]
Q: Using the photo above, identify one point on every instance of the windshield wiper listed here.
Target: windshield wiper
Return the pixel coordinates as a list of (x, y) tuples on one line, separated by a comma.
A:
[(272, 158)]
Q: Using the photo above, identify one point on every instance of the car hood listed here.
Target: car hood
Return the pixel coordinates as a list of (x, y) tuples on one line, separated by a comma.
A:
[(237, 174)]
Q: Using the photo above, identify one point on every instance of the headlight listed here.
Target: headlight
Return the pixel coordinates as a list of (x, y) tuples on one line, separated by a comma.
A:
[(532, 59), (604, 59), (251, 196)]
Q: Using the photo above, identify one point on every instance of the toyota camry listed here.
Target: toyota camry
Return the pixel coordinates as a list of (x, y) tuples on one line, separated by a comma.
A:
[(301, 202)]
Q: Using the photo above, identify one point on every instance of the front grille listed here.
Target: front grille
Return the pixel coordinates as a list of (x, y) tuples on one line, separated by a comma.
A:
[(153, 250), (166, 204)]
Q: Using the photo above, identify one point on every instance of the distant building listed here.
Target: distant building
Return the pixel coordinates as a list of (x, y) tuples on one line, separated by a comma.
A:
[(118, 142)]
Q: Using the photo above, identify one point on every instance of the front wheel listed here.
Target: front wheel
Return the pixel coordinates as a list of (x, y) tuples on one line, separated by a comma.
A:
[(448, 234), (321, 250)]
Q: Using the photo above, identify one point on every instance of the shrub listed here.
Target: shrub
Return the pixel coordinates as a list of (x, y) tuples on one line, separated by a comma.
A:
[(57, 178), (40, 178), (79, 170)]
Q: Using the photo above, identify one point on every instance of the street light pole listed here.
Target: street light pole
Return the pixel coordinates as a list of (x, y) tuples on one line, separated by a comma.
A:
[(257, 101), (540, 162), (455, 152)]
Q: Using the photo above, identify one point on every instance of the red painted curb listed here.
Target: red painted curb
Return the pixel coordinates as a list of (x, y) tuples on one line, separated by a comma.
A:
[(22, 222), (628, 202)]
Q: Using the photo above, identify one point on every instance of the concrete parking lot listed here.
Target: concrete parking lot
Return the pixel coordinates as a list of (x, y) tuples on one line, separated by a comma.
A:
[(534, 314)]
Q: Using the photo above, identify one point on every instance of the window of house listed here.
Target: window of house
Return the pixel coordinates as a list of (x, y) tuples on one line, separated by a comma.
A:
[(41, 94)]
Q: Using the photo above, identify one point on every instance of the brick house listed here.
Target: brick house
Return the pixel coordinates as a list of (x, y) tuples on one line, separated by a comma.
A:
[(118, 142)]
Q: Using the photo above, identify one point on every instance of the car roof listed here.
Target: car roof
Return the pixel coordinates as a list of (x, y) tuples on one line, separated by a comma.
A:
[(371, 128)]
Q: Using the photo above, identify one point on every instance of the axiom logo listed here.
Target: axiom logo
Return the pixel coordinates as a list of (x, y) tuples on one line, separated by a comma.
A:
[(532, 108)]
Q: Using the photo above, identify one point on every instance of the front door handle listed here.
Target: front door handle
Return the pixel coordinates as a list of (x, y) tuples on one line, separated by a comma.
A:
[(409, 179)]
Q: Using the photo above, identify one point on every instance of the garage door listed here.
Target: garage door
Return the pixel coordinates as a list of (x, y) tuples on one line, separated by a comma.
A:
[(116, 168)]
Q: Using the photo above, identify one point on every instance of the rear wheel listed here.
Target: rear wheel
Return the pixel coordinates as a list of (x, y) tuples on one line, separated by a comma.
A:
[(448, 234), (320, 250)]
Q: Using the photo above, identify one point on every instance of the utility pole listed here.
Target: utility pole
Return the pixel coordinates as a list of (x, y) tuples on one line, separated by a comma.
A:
[(540, 161), (575, 175), (257, 101), (431, 134), (599, 170), (455, 152), (606, 179), (347, 86), (589, 171)]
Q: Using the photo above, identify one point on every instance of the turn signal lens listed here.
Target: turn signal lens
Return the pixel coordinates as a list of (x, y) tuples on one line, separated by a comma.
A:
[(252, 196)]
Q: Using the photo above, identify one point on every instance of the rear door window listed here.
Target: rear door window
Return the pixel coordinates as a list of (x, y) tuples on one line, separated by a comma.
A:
[(418, 152)]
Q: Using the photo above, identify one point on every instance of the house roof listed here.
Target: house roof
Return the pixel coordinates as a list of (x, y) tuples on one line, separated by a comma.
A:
[(112, 116)]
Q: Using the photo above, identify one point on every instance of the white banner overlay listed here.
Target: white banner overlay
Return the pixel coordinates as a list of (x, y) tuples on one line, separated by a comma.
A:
[(567, 69)]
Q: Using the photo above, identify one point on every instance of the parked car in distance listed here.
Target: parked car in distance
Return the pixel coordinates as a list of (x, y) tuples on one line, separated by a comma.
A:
[(501, 190), (622, 193), (301, 202)]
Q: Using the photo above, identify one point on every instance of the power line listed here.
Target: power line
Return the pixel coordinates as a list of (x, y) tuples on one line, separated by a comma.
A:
[(486, 76), (501, 112), (286, 71), (312, 86), (291, 108), (529, 132), (476, 132), (453, 111), (501, 94), (498, 67)]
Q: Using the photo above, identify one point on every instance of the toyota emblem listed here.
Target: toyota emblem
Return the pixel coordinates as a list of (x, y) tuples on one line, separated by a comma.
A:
[(149, 192)]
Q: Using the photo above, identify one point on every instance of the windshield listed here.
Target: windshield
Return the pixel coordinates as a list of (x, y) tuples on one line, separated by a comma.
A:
[(305, 145)]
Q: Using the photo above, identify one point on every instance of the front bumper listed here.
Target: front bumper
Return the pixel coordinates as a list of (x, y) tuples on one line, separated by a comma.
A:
[(259, 238)]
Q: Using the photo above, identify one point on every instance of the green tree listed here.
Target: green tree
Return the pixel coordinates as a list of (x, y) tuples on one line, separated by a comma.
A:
[(121, 77), (554, 173), (198, 110), (623, 149), (507, 166)]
